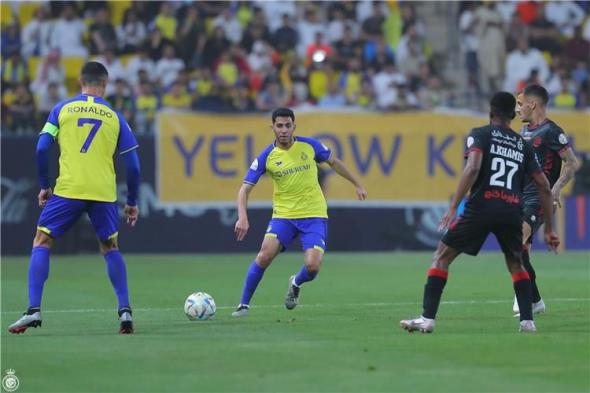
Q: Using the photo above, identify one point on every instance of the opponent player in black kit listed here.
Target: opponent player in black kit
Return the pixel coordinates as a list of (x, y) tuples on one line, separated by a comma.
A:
[(551, 148), (497, 161)]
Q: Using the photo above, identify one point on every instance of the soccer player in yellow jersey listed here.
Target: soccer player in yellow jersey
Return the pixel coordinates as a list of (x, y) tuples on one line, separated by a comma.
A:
[(89, 132), (299, 206)]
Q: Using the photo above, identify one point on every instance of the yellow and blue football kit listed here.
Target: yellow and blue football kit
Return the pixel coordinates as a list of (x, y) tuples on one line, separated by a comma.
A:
[(88, 132), (299, 205)]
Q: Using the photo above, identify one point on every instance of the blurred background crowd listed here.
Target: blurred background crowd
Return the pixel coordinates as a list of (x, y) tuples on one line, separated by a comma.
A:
[(256, 55)]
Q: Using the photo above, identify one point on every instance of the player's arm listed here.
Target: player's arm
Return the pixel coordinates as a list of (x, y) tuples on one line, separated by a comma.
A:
[(570, 166), (242, 225), (468, 178), (342, 170), (542, 184), (132, 168), (42, 155)]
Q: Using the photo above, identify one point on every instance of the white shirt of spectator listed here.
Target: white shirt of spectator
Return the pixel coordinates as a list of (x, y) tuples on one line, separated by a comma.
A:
[(364, 10), (231, 26), (565, 15), (469, 40), (115, 70), (67, 37), (274, 11), (384, 85), (167, 70), (260, 58), (131, 34), (36, 34), (307, 31), (136, 64), (519, 66)]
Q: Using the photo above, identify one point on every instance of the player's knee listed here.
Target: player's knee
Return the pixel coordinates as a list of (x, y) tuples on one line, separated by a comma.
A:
[(264, 258), (42, 240), (108, 245), (313, 266)]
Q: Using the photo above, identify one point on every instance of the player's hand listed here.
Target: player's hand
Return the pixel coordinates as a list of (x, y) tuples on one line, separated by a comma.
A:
[(44, 196), (132, 214), (447, 219), (552, 241), (555, 195), (361, 193), (241, 228)]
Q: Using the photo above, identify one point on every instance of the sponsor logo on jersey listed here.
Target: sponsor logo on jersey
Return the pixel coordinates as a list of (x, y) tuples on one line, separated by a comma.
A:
[(562, 139), (470, 141), (537, 141)]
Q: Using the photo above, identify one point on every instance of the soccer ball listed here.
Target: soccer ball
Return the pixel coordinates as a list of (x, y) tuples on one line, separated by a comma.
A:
[(199, 306)]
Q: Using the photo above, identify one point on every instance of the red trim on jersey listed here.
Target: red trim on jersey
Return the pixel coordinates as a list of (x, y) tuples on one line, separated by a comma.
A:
[(434, 272), (531, 126), (567, 146), (472, 149), (520, 276)]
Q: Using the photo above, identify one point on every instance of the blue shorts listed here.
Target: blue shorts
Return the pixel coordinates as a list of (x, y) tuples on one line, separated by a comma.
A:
[(314, 232), (61, 213)]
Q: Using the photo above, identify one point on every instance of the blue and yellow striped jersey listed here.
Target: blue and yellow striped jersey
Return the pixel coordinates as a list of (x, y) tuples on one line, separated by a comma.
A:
[(294, 173), (88, 132)]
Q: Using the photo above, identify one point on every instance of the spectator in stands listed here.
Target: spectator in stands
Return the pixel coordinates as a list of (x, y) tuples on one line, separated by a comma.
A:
[(168, 67), (49, 70), (166, 21), (114, 67), (334, 98), (521, 62), (254, 32), (47, 99), (469, 45), (372, 27), (36, 34), (492, 50), (385, 84), (68, 33), (376, 54), (432, 95), (131, 33), (226, 71), (285, 37), (156, 44), (345, 49), (412, 56), (543, 34), (565, 15), (320, 76), (146, 105), (22, 110), (241, 100), (141, 61), (411, 18), (272, 9), (527, 11), (319, 50), (216, 44), (102, 33), (351, 80), (260, 60), (122, 101), (228, 22), (14, 71), (271, 97), (516, 29), (307, 29), (576, 49), (565, 99), (11, 41), (191, 37), (177, 97), (336, 27), (366, 97)]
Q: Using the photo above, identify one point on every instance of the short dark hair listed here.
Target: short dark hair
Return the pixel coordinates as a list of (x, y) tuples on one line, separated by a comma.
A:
[(503, 105), (93, 73), (283, 112), (537, 91)]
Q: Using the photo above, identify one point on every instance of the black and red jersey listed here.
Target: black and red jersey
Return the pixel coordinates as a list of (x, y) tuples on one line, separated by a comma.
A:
[(507, 160), (548, 141)]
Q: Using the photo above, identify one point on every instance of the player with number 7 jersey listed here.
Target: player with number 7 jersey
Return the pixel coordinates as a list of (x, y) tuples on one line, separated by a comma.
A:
[(89, 133)]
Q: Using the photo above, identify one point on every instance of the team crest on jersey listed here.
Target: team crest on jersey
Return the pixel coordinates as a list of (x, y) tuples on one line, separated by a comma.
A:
[(303, 156), (254, 165), (470, 141), (519, 144), (278, 163), (533, 218), (562, 139), (537, 141)]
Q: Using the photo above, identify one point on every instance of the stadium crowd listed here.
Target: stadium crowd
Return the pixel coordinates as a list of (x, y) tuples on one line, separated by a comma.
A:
[(258, 55)]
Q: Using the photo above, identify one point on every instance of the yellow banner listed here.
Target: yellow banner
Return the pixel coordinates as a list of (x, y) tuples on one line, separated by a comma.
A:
[(399, 157)]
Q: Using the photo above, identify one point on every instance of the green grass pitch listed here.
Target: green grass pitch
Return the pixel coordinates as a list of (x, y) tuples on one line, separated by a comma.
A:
[(344, 336)]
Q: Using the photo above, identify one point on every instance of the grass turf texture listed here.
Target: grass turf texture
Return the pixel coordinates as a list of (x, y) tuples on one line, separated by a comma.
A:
[(344, 336)]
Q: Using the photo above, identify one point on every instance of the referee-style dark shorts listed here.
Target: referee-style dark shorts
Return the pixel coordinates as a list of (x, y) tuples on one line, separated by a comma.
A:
[(469, 231), (533, 215)]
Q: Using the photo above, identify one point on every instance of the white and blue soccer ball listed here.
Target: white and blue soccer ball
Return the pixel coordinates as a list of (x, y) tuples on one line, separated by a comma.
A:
[(199, 306)]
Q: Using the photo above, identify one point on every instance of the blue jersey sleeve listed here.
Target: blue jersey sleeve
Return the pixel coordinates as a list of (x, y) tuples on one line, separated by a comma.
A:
[(127, 140), (51, 127), (322, 152), (258, 167)]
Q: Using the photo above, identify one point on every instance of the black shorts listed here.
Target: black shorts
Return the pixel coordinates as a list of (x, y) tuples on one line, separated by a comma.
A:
[(533, 215), (469, 231)]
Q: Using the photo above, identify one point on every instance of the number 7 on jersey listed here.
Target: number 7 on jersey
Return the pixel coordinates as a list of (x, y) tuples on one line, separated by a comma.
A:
[(95, 126)]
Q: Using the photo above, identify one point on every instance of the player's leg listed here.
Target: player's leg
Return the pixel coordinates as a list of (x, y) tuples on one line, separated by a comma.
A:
[(465, 235), (509, 235), (279, 235), (105, 220), (56, 218), (314, 233)]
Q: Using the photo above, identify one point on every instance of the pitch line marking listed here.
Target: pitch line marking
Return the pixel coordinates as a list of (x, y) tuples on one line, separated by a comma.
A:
[(319, 305)]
